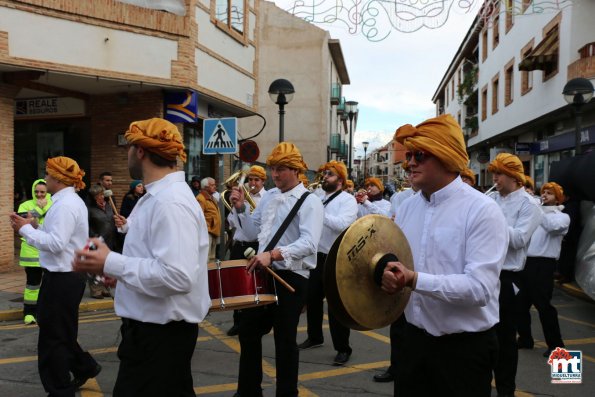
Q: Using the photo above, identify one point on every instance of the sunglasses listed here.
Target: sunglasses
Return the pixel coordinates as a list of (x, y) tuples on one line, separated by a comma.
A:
[(328, 173), (419, 156)]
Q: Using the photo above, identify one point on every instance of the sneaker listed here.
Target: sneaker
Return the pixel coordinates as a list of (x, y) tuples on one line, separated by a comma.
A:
[(341, 358), (78, 382), (30, 319), (309, 344), (105, 291), (95, 291), (386, 376)]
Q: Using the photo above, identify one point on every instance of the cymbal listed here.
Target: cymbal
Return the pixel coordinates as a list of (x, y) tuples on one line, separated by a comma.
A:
[(353, 272)]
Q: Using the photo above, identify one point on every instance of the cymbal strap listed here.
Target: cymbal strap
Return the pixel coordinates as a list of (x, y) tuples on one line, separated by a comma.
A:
[(381, 265)]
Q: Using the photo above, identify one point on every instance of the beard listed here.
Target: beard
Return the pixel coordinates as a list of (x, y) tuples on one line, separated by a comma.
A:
[(135, 169), (330, 187)]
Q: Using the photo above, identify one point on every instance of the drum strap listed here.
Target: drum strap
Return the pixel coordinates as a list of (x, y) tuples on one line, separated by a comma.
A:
[(286, 223), (324, 203)]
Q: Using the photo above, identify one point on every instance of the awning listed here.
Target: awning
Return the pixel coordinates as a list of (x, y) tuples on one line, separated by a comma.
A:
[(544, 54)]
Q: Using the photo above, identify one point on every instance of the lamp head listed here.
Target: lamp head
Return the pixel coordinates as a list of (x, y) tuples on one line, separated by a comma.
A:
[(578, 91), (281, 91)]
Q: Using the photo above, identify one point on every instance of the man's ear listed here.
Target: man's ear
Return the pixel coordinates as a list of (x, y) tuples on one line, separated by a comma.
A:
[(140, 152)]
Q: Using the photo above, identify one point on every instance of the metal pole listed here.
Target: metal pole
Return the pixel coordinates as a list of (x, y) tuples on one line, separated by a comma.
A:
[(281, 122), (350, 152), (365, 164), (578, 116), (221, 211)]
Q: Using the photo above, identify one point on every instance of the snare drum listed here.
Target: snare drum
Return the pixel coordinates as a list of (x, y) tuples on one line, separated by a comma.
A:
[(231, 287)]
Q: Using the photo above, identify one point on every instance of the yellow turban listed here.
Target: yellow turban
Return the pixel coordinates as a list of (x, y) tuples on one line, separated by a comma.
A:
[(287, 154), (441, 136), (508, 164), (529, 182), (157, 136), (304, 179), (338, 168), (349, 184), (375, 181), (469, 174), (258, 171), (556, 189), (65, 170)]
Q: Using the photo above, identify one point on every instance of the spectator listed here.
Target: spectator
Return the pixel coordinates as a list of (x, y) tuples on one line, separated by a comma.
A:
[(137, 190), (211, 210)]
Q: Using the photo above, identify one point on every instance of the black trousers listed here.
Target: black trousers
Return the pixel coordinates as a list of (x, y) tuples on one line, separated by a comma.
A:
[(155, 359), (315, 311), (397, 338), (59, 353), (508, 356), (34, 274), (237, 252), (537, 286), (455, 365), (257, 322)]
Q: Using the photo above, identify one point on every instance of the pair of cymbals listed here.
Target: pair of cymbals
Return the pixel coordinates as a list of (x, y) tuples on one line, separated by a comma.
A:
[(353, 273)]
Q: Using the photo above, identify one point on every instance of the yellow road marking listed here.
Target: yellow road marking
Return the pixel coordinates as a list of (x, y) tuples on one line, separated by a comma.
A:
[(91, 389), (351, 369), (576, 321)]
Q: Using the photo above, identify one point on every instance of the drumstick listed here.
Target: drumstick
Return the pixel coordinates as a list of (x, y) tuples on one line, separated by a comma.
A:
[(108, 194), (249, 253)]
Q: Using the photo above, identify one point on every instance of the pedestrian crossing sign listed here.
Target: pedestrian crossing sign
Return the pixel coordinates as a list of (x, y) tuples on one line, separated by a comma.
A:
[(220, 136)]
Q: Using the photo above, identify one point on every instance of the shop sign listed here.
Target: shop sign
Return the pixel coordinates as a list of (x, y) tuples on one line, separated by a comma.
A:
[(565, 141), (521, 148), (48, 107)]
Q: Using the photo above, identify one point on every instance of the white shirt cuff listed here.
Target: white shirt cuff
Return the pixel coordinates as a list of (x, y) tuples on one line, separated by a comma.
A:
[(114, 265)]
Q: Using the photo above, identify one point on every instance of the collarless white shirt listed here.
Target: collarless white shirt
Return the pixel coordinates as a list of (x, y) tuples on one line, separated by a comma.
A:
[(523, 216), (546, 242), (65, 229), (299, 243), (238, 234), (162, 271), (339, 214), (379, 207), (458, 240), (397, 199)]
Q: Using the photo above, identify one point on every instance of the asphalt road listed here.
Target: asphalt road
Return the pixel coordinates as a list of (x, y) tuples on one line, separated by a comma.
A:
[(215, 362)]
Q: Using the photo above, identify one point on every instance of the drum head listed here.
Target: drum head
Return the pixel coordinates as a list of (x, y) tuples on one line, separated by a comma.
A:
[(352, 293)]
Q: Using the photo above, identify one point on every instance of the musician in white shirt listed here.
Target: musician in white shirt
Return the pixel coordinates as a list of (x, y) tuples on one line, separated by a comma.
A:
[(371, 201), (522, 216), (458, 240), (537, 278), (65, 229), (292, 257), (162, 292), (340, 211)]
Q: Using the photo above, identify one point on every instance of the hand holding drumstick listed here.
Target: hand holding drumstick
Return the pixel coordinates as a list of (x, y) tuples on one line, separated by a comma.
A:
[(260, 260)]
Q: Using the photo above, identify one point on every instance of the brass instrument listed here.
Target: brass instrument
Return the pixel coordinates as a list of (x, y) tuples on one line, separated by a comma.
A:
[(317, 182), (237, 178)]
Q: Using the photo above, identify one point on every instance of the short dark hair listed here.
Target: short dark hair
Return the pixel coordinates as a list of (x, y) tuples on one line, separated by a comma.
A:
[(161, 161), (106, 173)]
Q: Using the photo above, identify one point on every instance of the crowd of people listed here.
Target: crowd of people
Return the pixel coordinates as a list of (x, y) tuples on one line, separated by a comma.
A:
[(480, 262)]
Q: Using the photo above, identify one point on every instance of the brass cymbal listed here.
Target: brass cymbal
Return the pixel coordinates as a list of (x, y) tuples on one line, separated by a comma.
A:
[(354, 268)]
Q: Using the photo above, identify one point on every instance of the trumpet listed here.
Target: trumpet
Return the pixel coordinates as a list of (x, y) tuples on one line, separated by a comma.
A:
[(317, 182), (237, 178)]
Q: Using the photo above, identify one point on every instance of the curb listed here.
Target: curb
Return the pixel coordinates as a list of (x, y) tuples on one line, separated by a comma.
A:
[(87, 306)]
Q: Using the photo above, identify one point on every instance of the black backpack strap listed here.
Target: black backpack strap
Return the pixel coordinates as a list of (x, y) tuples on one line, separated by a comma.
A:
[(286, 223), (338, 192)]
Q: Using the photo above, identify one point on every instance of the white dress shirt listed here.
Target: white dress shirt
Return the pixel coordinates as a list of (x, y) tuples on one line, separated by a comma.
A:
[(523, 216), (458, 240), (339, 214), (397, 199), (238, 235), (546, 242), (380, 207), (162, 271), (299, 243), (65, 229)]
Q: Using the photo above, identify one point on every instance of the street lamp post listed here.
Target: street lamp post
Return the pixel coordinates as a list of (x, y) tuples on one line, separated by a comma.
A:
[(365, 145), (281, 92), (578, 92), (351, 109), (359, 168)]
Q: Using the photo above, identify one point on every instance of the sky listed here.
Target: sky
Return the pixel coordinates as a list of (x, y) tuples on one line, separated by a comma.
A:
[(393, 80)]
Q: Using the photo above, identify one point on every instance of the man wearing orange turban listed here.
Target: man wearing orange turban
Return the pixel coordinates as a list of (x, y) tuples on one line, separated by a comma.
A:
[(522, 216), (65, 230), (529, 186), (372, 199), (537, 278), (349, 186), (292, 255), (468, 176), (163, 290), (340, 211), (454, 304)]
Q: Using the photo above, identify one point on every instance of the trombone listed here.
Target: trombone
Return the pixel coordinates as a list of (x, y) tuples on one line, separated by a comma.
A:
[(234, 179)]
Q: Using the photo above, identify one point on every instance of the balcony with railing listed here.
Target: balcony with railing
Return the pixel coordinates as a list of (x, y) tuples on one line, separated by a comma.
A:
[(343, 151), (335, 143), (585, 65), (341, 106), (335, 93)]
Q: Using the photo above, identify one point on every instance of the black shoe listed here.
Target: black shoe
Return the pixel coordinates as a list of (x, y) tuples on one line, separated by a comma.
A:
[(384, 377), (341, 358), (522, 344), (309, 344), (233, 331), (78, 382)]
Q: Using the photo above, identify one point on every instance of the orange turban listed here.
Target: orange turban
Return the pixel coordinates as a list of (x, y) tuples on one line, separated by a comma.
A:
[(376, 182), (441, 136), (65, 170), (304, 179), (469, 174), (556, 189), (349, 184), (258, 171), (508, 164), (157, 136), (287, 154), (337, 167), (529, 182)]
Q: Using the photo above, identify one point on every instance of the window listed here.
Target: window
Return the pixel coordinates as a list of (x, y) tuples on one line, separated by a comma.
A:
[(452, 88), (509, 4), (484, 45), (446, 98), (551, 67), (230, 14), (495, 87), (496, 31), (526, 4), (484, 103), (509, 83)]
